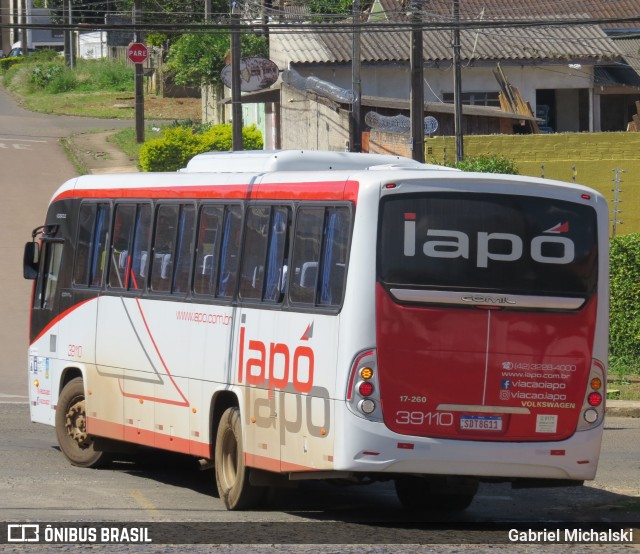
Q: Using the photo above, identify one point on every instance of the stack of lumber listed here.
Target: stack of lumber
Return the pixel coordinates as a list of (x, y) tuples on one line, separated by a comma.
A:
[(511, 100)]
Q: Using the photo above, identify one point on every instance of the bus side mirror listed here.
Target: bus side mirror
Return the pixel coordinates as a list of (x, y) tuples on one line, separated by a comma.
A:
[(30, 260)]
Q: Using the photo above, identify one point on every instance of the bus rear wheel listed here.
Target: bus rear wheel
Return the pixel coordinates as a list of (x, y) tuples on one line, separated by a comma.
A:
[(71, 428), (436, 494), (232, 476)]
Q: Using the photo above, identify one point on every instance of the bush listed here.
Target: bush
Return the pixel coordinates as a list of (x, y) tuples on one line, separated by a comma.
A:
[(42, 74), (180, 144), (7, 63), (220, 138), (624, 333), (172, 151), (37, 57), (489, 164)]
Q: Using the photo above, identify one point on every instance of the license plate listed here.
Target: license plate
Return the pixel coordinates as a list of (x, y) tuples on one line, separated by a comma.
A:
[(481, 423)]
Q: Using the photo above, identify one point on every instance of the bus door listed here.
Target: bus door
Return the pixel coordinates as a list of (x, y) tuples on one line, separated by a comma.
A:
[(44, 345), (262, 335), (485, 314), (79, 298)]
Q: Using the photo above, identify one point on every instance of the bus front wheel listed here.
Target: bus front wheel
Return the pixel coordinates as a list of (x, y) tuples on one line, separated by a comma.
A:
[(436, 494), (71, 428), (232, 476)]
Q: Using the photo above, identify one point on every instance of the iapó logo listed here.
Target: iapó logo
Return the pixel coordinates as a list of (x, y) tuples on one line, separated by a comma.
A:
[(504, 247)]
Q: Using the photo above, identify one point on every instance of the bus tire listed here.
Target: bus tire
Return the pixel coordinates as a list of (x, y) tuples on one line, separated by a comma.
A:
[(232, 476), (71, 428), (424, 494)]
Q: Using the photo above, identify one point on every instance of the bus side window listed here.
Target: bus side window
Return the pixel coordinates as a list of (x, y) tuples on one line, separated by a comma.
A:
[(97, 246), (229, 252), (207, 250), (307, 244), (254, 252), (84, 244), (276, 273), (120, 258), (140, 252), (184, 249), (163, 248), (334, 256), (47, 284), (99, 254)]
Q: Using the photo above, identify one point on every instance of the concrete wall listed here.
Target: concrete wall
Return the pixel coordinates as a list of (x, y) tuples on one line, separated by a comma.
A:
[(392, 80), (311, 123), (590, 158)]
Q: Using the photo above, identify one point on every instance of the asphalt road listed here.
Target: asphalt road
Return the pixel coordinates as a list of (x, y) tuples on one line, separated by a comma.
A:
[(38, 484)]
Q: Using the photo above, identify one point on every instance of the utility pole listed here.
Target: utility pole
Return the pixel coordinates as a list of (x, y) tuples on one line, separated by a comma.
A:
[(417, 84), (355, 128), (139, 89), (457, 82), (236, 106), (24, 40), (69, 42)]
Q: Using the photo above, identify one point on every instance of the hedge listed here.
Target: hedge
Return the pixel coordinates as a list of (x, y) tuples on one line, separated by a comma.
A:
[(6, 63), (179, 144), (624, 319), (488, 164)]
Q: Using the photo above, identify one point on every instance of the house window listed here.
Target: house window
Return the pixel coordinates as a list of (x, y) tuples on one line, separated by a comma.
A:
[(475, 98)]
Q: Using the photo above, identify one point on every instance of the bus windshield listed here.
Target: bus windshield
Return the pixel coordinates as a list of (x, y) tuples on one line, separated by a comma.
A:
[(488, 242)]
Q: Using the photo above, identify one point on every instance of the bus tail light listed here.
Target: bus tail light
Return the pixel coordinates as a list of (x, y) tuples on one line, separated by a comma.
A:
[(592, 412), (362, 395)]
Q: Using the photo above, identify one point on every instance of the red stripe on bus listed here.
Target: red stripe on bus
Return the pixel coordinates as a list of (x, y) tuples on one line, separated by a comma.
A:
[(59, 318), (108, 429), (272, 464), (321, 190)]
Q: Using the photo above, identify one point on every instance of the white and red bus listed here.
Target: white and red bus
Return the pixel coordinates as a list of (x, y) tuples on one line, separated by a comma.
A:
[(316, 315)]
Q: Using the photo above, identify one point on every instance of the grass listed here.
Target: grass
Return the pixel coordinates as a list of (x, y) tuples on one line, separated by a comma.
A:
[(623, 388), (95, 104), (624, 378), (126, 140), (99, 89)]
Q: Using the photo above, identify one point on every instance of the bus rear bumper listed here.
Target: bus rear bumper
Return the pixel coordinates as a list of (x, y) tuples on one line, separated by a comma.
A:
[(372, 447)]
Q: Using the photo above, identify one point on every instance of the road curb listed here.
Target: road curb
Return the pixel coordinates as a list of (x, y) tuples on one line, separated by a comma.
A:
[(622, 408)]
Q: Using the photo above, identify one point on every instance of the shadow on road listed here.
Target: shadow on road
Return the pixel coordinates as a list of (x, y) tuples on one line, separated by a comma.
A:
[(377, 502)]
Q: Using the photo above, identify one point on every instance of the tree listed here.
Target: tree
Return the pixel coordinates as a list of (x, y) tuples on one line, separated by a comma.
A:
[(175, 11), (336, 7), (198, 59)]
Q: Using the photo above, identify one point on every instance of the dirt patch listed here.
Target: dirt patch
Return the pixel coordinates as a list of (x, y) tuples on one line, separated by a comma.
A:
[(172, 108)]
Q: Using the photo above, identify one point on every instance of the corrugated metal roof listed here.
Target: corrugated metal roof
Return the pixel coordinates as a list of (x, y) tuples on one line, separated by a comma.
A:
[(615, 77), (522, 9), (630, 49), (521, 44)]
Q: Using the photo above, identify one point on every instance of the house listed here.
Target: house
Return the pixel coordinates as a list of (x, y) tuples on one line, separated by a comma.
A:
[(13, 12), (575, 76)]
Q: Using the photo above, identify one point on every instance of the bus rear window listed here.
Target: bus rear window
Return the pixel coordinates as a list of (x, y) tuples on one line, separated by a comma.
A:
[(488, 242)]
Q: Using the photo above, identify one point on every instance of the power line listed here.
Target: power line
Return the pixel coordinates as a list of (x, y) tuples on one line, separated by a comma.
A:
[(289, 27)]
